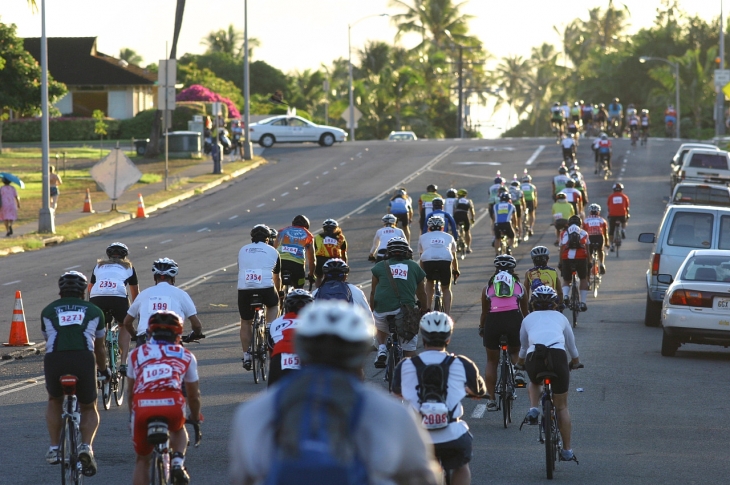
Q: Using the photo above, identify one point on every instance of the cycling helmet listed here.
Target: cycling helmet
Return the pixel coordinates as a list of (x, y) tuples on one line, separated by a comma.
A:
[(436, 328), (506, 197), (505, 262), (543, 298), (400, 192), (604, 136), (329, 224), (499, 180), (644, 111), (527, 178), (602, 105), (117, 250), (502, 190), (436, 222), (335, 267), (618, 187), (451, 193), (389, 219), (615, 100), (274, 233), (576, 103), (562, 170), (581, 102), (631, 105), (398, 246), (556, 105), (165, 267), (300, 221), (260, 233), (431, 188), (165, 325), (296, 300), (73, 281), (570, 183), (561, 195), (540, 252), (575, 221), (333, 333), (438, 203), (462, 193), (515, 183), (594, 209)]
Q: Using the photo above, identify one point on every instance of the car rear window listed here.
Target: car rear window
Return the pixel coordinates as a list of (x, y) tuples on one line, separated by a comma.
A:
[(707, 268), (691, 230), (706, 160), (694, 194)]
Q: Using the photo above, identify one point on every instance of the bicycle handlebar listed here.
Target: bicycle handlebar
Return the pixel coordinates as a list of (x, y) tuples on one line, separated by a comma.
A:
[(196, 431), (192, 337), (574, 367)]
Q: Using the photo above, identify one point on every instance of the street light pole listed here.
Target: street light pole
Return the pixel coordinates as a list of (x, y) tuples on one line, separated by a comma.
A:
[(46, 214), (460, 117), (720, 100), (675, 65), (246, 88)]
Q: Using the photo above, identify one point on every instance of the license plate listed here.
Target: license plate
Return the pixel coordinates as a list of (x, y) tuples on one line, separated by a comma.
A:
[(722, 304)]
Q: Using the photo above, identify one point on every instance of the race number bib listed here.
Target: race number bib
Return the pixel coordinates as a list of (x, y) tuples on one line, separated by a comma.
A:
[(289, 361), (594, 223), (558, 216), (504, 277), (438, 242), (399, 271), (618, 200), (435, 415), (159, 304), (330, 241), (107, 286), (253, 276), (70, 318), (293, 250), (155, 372)]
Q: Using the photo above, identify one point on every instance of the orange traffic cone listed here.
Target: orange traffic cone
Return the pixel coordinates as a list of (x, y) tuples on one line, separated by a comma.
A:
[(18, 330), (87, 202), (140, 207)]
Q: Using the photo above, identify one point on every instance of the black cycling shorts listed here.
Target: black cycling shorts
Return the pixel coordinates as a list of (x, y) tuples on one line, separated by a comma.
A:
[(596, 241), (559, 359), (504, 228), (297, 277), (587, 119), (275, 371), (518, 210), (502, 323), (402, 218), (320, 260), (112, 306), (561, 224), (79, 363), (573, 129), (456, 453), (612, 220), (567, 266), (462, 217), (438, 270), (530, 206), (268, 296)]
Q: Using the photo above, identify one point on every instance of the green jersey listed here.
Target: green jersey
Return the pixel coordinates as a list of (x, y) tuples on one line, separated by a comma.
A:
[(529, 191), (406, 275), (71, 324)]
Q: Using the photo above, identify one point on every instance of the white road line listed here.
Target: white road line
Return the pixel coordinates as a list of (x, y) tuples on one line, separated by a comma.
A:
[(261, 204), (199, 279), (343, 163), (478, 411), (325, 172), (20, 383), (72, 267), (306, 183), (41, 381), (11, 282), (222, 330), (284, 194), (167, 240), (202, 229), (232, 217), (535, 155), (460, 174), (361, 210), (623, 169)]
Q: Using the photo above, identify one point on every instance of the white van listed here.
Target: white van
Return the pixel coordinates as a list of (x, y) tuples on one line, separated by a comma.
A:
[(683, 228)]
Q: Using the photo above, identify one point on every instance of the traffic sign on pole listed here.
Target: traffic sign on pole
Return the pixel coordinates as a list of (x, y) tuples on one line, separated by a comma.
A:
[(722, 77), (346, 115)]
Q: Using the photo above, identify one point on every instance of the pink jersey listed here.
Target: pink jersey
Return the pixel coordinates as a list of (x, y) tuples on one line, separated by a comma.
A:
[(507, 303), (161, 367)]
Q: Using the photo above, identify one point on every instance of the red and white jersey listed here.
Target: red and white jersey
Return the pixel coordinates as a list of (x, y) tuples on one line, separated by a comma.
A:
[(595, 225), (566, 252), (282, 333), (572, 195), (161, 367), (604, 143)]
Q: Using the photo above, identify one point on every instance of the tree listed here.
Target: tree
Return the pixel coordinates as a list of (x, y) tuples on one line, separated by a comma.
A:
[(438, 21), (511, 76), (229, 41), (129, 55), (99, 128), (190, 74)]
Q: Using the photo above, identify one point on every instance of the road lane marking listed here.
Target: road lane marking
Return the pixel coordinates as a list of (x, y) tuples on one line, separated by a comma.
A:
[(535, 155), (325, 172), (202, 229), (460, 174), (167, 240), (343, 163), (222, 330), (41, 380), (11, 282), (284, 194), (72, 267), (232, 217), (478, 411), (199, 279), (261, 204), (306, 183), (476, 163), (29, 380)]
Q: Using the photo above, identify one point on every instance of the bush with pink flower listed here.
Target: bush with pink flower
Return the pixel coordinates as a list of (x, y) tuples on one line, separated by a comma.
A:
[(196, 92)]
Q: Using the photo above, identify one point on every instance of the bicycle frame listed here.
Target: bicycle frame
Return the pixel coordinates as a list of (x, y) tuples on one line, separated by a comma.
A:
[(258, 348), (574, 301), (549, 430), (617, 237), (595, 280), (158, 435), (71, 468), (505, 389), (394, 349)]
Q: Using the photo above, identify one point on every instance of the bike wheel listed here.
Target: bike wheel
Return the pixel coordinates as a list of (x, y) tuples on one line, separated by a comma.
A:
[(64, 453), (263, 355), (390, 368), (73, 445), (255, 350), (575, 303), (119, 389), (504, 398), (595, 277), (547, 423)]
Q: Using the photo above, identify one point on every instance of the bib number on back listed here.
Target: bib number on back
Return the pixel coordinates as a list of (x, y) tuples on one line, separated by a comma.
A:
[(159, 304), (107, 286), (399, 271), (70, 318), (156, 372), (290, 361), (330, 241), (618, 200), (435, 415), (253, 276)]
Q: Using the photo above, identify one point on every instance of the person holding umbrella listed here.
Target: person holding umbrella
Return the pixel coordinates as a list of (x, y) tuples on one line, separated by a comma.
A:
[(9, 203)]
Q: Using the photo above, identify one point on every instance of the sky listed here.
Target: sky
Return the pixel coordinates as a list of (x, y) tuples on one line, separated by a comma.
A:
[(303, 34)]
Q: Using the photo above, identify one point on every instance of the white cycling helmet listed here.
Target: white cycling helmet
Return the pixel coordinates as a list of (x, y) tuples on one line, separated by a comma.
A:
[(436, 328), (594, 208), (165, 267), (435, 222), (389, 219)]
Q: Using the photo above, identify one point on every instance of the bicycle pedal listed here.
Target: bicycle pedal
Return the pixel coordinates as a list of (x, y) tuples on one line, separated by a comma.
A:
[(520, 385)]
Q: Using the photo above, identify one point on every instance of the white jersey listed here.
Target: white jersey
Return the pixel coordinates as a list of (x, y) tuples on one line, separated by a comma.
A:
[(436, 246), (566, 111), (385, 234), (161, 297), (256, 264), (549, 328), (567, 143), (449, 204), (277, 327), (111, 280)]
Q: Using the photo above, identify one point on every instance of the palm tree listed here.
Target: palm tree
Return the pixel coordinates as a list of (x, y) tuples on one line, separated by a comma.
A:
[(131, 56), (543, 75), (438, 21), (511, 76)]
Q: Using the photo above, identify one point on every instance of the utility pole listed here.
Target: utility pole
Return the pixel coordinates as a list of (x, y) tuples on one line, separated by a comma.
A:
[(460, 114), (46, 219), (247, 148), (720, 102)]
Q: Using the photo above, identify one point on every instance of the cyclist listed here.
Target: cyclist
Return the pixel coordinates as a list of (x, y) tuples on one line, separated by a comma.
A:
[(438, 210), (630, 111), (465, 215), (615, 115), (107, 290), (157, 371), (604, 149), (330, 244), (336, 287), (562, 211), (450, 201), (618, 211), (557, 118), (568, 146), (645, 122), (518, 199), (400, 206), (164, 296), (424, 204), (580, 183), (503, 304), (295, 246), (284, 359), (560, 180), (452, 440), (74, 332), (383, 235), (587, 115), (573, 196), (505, 218), (566, 110), (601, 116), (530, 193), (572, 130), (333, 341), (597, 228), (549, 328), (542, 274), (633, 121), (494, 193), (272, 238), (574, 257), (409, 278), (438, 260), (259, 268), (670, 116), (575, 112)]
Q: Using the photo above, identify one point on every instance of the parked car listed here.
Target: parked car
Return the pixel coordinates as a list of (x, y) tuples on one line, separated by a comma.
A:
[(691, 193), (683, 229), (696, 307), (293, 129), (678, 157), (402, 136), (705, 165)]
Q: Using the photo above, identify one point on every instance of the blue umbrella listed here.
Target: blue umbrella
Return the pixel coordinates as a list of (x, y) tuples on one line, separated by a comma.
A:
[(13, 179)]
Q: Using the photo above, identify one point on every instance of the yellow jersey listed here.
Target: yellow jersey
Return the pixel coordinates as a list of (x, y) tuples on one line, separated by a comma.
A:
[(544, 275)]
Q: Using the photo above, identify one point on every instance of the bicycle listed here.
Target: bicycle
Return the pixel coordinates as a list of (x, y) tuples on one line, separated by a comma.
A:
[(461, 243), (604, 171), (574, 297), (438, 296), (394, 350), (634, 136), (644, 135), (506, 385), (68, 446), (286, 286), (595, 279), (259, 348), (501, 248), (526, 224), (117, 382), (617, 237), (158, 435)]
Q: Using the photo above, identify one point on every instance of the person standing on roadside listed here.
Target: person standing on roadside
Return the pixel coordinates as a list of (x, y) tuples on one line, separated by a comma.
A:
[(9, 205), (55, 180)]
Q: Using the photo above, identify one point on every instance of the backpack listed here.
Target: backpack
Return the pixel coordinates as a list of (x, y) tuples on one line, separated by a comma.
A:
[(317, 413), (504, 285), (574, 240), (432, 388), (334, 290)]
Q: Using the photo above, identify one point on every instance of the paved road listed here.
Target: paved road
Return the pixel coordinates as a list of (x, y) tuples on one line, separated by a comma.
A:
[(641, 418)]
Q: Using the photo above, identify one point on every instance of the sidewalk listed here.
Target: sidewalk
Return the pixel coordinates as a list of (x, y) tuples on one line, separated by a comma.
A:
[(101, 203)]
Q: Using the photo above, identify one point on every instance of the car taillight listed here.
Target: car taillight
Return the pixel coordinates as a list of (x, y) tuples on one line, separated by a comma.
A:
[(690, 298), (655, 264)]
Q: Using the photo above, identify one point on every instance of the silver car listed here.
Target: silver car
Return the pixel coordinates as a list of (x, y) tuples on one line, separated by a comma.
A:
[(293, 129)]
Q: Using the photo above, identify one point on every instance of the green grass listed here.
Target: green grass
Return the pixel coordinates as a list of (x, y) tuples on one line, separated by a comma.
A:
[(72, 153), (150, 178)]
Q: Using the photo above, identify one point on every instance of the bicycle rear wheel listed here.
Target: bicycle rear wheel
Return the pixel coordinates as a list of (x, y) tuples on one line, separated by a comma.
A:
[(575, 301), (390, 368), (595, 277), (64, 453), (255, 349), (547, 423), (617, 239), (121, 384), (505, 398), (263, 354)]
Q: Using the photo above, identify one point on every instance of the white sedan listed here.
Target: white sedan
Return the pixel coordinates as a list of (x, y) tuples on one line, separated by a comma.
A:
[(696, 306), (293, 129)]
